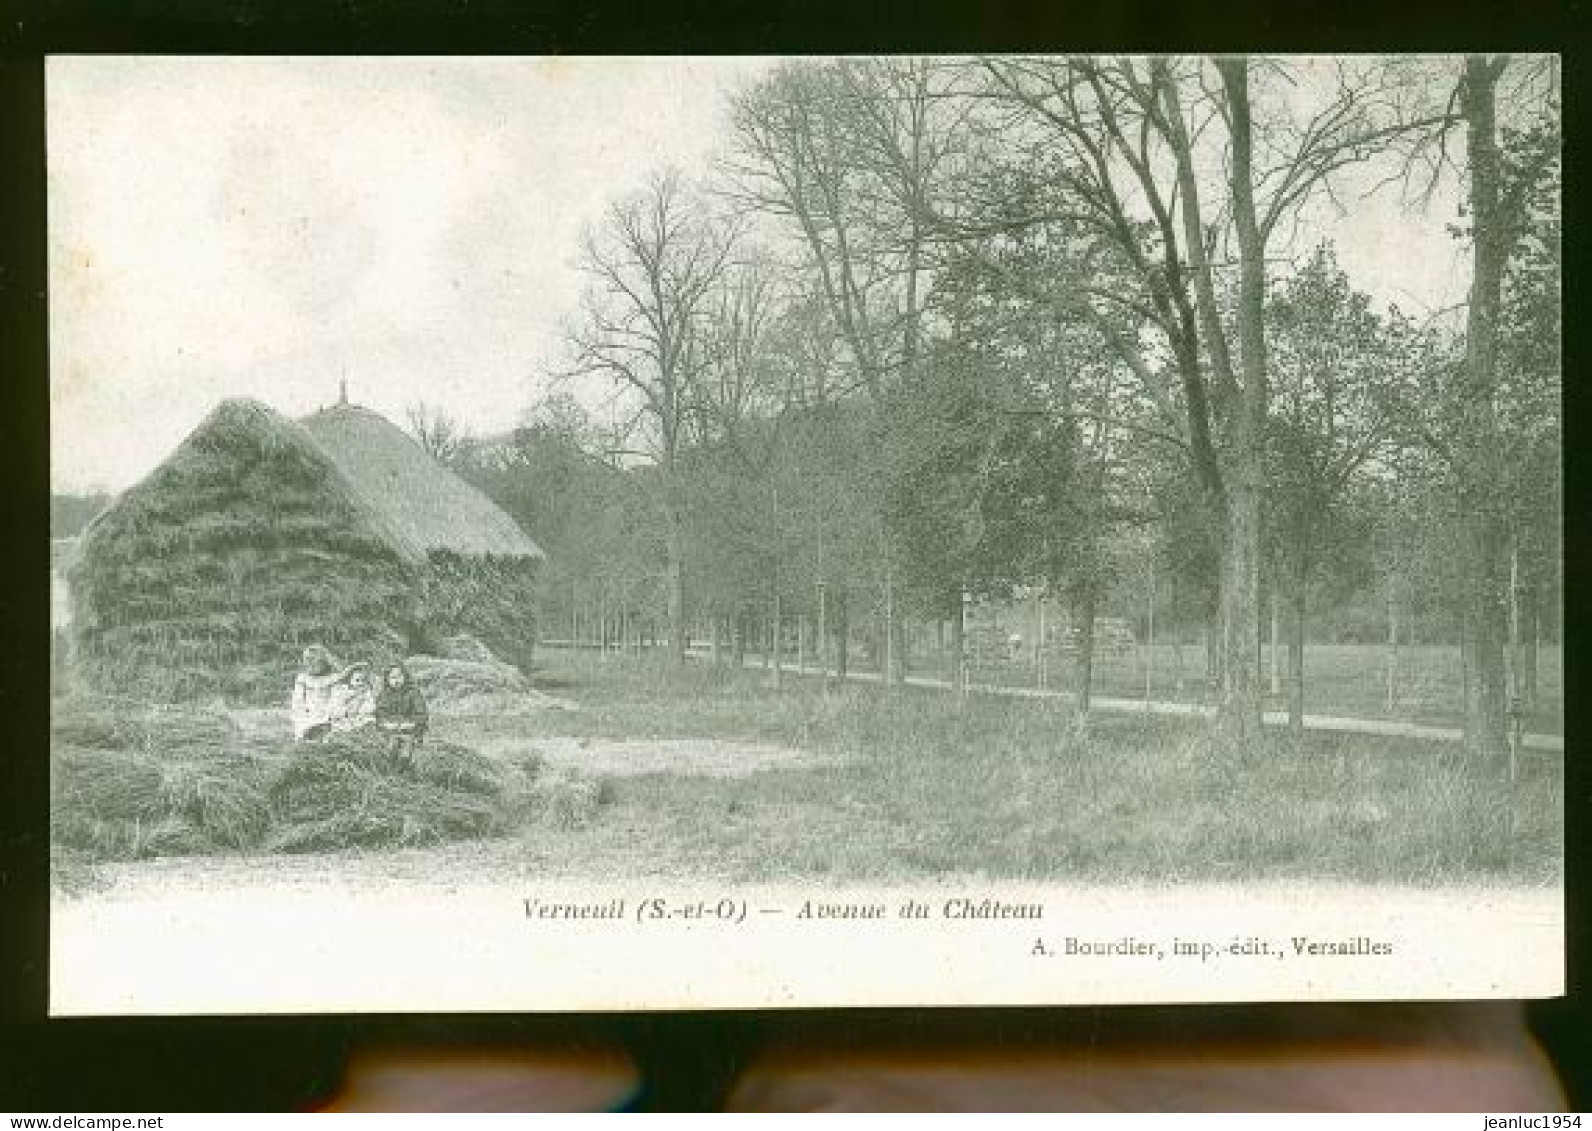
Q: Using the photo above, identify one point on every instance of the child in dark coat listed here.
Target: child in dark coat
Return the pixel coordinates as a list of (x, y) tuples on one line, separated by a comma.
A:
[(401, 711)]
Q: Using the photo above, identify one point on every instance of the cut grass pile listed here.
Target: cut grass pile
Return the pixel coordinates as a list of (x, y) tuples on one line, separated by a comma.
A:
[(479, 686), (350, 793), (186, 781), (185, 730)]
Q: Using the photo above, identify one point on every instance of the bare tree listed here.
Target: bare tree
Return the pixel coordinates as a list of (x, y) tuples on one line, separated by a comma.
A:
[(794, 160), (856, 156), (653, 268), (738, 381), (435, 431)]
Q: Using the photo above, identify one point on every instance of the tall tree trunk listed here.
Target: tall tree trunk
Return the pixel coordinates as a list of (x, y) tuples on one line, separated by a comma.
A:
[(1516, 681), (740, 639), (842, 636), (1177, 639), (1464, 656), (1276, 644), (1037, 650), (1040, 630), (1149, 633), (1213, 637), (889, 666), (900, 657), (1392, 649), (1084, 670), (1479, 454), (1486, 694), (822, 642), (674, 549), (779, 643), (958, 656), (1296, 657), (1240, 706), (1533, 645)]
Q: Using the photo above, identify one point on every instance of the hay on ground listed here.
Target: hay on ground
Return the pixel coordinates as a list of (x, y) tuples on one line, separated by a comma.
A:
[(224, 800), (458, 767), (73, 871), (442, 678), (471, 687), (102, 839), (566, 799), (175, 730), (463, 646), (124, 805), (190, 782), (107, 784), (352, 794)]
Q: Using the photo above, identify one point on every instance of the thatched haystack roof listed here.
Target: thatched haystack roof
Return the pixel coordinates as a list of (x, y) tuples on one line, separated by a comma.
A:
[(425, 507), (246, 477)]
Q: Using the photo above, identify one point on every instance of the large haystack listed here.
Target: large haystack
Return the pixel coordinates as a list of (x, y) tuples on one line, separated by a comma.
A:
[(259, 535), (214, 571), (480, 568)]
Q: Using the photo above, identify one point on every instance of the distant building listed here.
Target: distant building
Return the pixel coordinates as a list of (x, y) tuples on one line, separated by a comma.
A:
[(1005, 630)]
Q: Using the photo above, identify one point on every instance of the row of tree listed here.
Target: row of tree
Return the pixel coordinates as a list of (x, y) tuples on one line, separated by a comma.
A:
[(936, 329)]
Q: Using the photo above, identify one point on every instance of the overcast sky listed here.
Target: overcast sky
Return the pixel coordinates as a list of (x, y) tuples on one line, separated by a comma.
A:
[(263, 227)]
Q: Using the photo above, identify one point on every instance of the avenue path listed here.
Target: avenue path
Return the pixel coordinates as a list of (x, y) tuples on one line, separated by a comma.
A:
[(1337, 723), (1341, 723)]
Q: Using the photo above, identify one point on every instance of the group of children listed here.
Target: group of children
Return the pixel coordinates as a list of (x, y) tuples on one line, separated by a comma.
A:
[(331, 699)]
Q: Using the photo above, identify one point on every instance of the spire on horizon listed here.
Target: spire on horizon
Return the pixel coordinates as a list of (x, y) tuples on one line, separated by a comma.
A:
[(342, 391)]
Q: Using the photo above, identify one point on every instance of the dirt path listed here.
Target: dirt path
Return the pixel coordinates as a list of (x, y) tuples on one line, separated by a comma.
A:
[(1336, 723), (686, 757)]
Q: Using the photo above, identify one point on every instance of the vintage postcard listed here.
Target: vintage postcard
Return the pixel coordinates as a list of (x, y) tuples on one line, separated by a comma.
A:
[(650, 533)]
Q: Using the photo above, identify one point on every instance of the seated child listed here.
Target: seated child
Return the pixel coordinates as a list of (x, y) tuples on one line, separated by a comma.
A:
[(354, 702), (401, 710), (315, 694)]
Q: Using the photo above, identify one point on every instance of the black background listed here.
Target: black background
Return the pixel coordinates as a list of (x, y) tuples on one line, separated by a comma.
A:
[(242, 1064)]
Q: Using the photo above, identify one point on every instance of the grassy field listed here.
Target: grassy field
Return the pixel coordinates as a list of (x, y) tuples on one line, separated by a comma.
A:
[(913, 784), (1340, 679), (917, 784)]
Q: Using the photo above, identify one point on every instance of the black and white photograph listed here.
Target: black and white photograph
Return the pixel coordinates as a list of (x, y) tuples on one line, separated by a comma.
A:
[(615, 533)]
